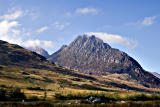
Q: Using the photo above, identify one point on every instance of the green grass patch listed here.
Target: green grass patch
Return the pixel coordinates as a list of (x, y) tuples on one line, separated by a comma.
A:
[(108, 97)]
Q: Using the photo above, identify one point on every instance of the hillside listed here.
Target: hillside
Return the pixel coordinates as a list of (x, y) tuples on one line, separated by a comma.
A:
[(31, 72), (11, 54), (90, 55)]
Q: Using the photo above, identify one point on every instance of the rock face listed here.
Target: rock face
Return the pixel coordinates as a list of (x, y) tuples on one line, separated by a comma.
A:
[(39, 50), (90, 55)]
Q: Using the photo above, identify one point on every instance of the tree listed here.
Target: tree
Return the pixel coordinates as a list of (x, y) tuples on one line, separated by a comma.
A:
[(3, 95), (16, 94)]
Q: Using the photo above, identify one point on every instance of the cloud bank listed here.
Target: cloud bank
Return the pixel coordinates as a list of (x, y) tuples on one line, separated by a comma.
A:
[(39, 43), (12, 32), (115, 39)]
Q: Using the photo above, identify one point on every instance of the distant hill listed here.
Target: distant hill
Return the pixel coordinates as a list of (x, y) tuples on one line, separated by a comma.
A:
[(39, 50), (11, 54), (90, 55)]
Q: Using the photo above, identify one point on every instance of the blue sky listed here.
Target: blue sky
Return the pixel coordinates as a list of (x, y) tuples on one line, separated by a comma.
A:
[(131, 26)]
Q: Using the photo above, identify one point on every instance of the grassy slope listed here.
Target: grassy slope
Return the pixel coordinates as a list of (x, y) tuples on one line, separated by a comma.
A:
[(58, 80)]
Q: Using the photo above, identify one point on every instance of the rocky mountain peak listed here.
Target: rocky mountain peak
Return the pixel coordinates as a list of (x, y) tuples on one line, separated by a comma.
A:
[(90, 55), (89, 42), (39, 50)]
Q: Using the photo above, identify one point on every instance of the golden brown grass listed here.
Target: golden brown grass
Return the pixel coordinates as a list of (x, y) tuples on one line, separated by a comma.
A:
[(12, 76)]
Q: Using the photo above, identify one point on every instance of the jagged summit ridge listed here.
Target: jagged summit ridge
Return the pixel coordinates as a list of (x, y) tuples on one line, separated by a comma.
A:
[(85, 40)]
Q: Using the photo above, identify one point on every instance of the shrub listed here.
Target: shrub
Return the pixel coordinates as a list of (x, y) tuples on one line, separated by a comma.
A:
[(3, 95), (16, 94), (155, 97), (4, 86), (59, 96), (138, 97), (34, 88), (32, 98)]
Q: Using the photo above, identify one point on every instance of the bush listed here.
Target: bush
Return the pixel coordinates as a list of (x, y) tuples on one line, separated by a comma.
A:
[(34, 88), (16, 94), (3, 95), (138, 97), (32, 98), (59, 96), (4, 86), (13, 94), (155, 97)]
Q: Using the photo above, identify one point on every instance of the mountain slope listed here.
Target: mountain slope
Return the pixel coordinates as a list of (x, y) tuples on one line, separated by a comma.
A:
[(90, 55), (156, 74), (39, 50), (11, 54)]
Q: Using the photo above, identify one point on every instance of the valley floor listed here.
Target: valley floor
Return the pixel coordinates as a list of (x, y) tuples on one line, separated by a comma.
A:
[(58, 86), (69, 104)]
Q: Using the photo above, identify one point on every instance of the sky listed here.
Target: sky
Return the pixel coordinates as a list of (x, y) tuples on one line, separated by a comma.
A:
[(131, 26)]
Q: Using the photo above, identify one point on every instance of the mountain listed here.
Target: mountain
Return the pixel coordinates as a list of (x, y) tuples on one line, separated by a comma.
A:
[(156, 74), (39, 50), (90, 55), (28, 70)]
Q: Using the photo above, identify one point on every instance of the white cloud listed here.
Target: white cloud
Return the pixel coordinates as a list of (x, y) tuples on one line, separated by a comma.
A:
[(60, 26), (12, 16), (8, 31), (12, 32), (87, 10), (39, 43), (9, 27), (115, 39), (148, 20), (6, 26), (42, 29)]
